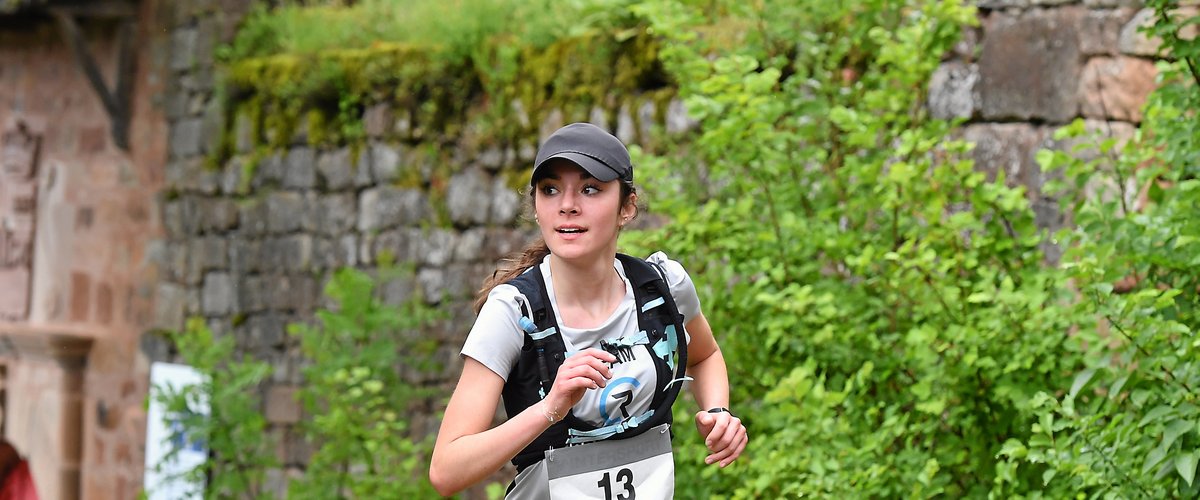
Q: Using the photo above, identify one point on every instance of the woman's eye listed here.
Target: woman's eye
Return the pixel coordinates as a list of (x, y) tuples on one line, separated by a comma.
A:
[(590, 190), (549, 190)]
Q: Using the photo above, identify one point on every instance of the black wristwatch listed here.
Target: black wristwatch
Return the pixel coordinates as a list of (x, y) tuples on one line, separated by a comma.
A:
[(720, 409)]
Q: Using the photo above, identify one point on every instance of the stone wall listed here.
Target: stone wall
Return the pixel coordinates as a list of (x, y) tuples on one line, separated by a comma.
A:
[(249, 245), (1033, 66)]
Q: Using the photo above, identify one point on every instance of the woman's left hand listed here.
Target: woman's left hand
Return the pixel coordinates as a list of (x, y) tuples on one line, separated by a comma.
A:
[(724, 435)]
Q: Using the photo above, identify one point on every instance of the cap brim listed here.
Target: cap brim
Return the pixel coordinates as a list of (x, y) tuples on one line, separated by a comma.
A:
[(596, 168)]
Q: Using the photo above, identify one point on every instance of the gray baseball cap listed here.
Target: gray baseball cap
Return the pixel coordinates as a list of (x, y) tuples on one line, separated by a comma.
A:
[(599, 153)]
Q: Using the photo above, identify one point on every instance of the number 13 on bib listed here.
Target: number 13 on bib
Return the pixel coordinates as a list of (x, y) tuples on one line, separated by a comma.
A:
[(641, 467)]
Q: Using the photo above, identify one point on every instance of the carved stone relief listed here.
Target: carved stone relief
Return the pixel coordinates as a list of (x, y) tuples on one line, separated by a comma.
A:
[(19, 147)]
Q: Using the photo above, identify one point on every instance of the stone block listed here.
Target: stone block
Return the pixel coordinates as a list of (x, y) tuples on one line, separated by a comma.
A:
[(334, 170), (647, 119), (230, 177), (209, 253), (181, 217), (506, 203), (1092, 4), (190, 175), (677, 119), (300, 169), (206, 32), (245, 256), (502, 242), (267, 330), (292, 292), (450, 283), (952, 91), (1095, 130), (1002, 4), (553, 121), (270, 170), (362, 168), (243, 133), (491, 158), (470, 245), (378, 120), (212, 126), (469, 197), (1133, 41), (183, 48), (397, 290), (625, 126), (598, 116), (1101, 31), (218, 215), (252, 217), (385, 162), (175, 104), (403, 244), (169, 307), (253, 291), (285, 211), (186, 137), (1008, 148), (219, 295), (437, 246), (282, 407), (1029, 66), (332, 214), (288, 253), (386, 207), (1116, 88)]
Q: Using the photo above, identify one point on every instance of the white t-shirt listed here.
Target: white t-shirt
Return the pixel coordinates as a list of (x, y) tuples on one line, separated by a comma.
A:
[(496, 339)]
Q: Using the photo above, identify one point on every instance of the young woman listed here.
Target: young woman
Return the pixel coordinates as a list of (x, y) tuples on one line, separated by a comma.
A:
[(614, 359)]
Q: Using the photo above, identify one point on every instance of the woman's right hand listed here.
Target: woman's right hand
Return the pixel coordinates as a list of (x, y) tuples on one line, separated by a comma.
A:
[(587, 369)]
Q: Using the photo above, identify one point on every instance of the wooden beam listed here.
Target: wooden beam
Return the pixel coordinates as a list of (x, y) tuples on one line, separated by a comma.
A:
[(116, 101)]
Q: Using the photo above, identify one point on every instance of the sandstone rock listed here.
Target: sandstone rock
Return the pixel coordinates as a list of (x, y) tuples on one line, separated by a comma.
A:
[(1116, 88)]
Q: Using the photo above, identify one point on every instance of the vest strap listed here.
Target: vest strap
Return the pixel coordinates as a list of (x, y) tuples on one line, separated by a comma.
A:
[(581, 437)]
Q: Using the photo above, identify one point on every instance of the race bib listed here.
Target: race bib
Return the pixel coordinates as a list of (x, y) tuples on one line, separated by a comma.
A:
[(626, 469)]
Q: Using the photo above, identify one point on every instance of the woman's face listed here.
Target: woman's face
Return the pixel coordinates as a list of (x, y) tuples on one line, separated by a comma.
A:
[(579, 216)]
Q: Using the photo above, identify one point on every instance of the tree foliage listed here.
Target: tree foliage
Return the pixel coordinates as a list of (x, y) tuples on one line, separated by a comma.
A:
[(891, 319)]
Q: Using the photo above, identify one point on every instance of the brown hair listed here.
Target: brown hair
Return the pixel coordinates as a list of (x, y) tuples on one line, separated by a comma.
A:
[(517, 262)]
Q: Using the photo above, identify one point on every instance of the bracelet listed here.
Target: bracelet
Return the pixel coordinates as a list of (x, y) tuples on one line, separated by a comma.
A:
[(721, 409), (552, 416)]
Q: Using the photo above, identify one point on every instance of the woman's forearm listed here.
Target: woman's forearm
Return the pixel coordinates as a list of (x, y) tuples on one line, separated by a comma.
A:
[(458, 464), (711, 381)]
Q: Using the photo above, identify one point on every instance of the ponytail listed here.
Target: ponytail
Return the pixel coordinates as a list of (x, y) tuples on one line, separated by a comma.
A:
[(511, 267)]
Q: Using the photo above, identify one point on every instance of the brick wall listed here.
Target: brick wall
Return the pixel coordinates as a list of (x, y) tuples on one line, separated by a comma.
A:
[(92, 269)]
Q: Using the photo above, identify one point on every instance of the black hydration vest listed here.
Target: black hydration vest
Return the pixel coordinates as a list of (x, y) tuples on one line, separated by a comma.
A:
[(544, 351)]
